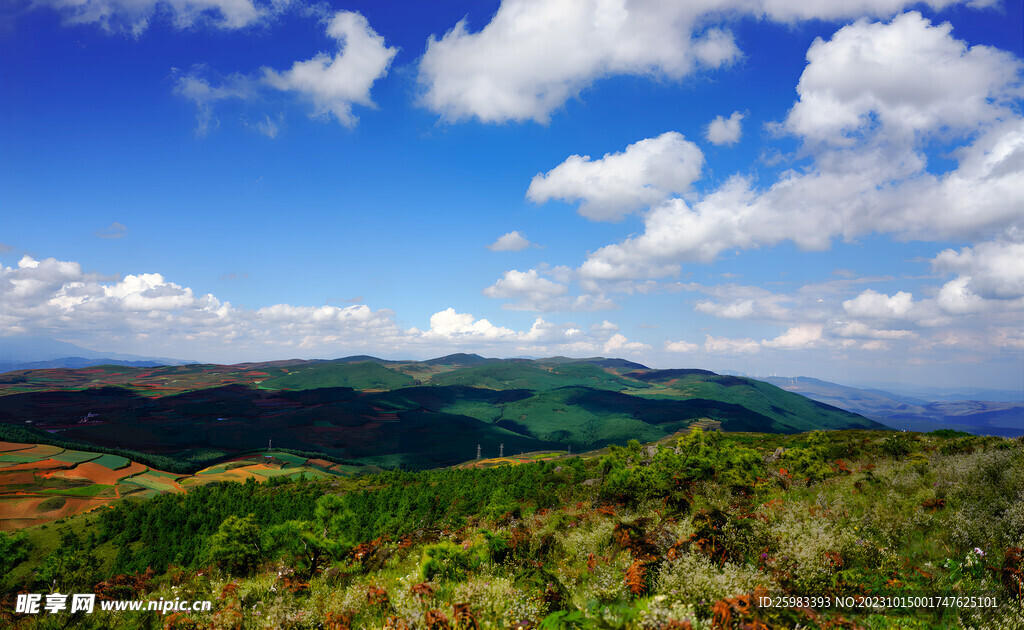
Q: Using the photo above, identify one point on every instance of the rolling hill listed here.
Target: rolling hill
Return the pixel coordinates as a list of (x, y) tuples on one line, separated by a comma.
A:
[(414, 414)]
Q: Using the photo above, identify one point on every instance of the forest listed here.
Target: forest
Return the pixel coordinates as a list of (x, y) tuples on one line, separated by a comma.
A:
[(701, 530)]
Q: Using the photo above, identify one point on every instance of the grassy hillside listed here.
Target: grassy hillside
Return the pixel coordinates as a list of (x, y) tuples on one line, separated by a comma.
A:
[(531, 375), (789, 412), (687, 533), (360, 375), (174, 420)]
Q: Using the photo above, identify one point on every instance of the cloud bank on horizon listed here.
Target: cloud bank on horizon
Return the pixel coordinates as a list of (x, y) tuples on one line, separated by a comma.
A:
[(706, 193)]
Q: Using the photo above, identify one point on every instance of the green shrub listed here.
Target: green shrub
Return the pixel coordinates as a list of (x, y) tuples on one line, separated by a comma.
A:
[(236, 545), (448, 562)]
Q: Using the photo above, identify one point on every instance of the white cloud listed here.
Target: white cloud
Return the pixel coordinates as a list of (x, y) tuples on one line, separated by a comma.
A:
[(957, 298), (134, 16), (448, 323), (865, 135), (736, 310), (724, 130), (873, 305), (525, 285), (992, 270), (51, 297), (725, 345), (681, 346), (532, 292), (510, 242), (620, 183), (534, 55), (618, 342), (860, 330), (907, 77), (797, 337), (335, 83)]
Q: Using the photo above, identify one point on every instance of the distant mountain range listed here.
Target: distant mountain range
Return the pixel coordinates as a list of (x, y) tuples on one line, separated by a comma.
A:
[(413, 414), (37, 353), (982, 417)]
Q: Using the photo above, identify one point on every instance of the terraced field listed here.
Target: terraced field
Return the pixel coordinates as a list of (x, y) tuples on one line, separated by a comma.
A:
[(42, 483)]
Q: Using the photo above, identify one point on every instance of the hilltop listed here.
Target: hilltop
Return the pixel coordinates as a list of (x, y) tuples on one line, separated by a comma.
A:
[(413, 414)]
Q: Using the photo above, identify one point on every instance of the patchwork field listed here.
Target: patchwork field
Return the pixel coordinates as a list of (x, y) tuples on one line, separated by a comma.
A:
[(42, 483)]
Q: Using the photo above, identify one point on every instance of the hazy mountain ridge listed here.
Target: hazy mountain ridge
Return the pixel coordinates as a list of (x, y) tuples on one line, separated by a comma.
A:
[(904, 412)]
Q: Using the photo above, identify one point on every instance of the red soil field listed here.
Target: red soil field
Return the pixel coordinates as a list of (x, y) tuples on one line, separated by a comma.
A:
[(11, 479), (101, 474), (46, 464)]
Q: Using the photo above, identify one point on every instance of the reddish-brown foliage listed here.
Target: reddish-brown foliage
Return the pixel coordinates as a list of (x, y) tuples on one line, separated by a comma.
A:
[(633, 536), (293, 584), (934, 505), (377, 596), (180, 621), (229, 590), (636, 576), (591, 563), (396, 623), (1012, 572), (422, 590), (436, 620), (738, 612), (340, 620), (833, 559), (463, 617), (124, 586)]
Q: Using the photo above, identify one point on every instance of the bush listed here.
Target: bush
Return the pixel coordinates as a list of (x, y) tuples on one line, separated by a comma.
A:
[(449, 562), (236, 545)]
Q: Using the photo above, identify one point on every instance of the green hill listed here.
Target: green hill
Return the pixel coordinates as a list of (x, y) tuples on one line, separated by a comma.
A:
[(523, 374), (362, 375), (790, 412)]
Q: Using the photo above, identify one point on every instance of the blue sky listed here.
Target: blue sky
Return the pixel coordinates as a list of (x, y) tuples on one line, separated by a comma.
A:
[(831, 189)]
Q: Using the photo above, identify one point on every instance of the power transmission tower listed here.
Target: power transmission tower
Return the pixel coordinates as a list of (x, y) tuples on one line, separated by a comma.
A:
[(478, 451), (501, 450)]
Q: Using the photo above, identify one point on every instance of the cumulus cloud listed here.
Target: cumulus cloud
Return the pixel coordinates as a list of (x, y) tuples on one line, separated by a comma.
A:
[(797, 337), (618, 343), (681, 346), (620, 183), (335, 83), (534, 55), (873, 305), (50, 297), (511, 242), (332, 83), (134, 16), (724, 130), (532, 292), (907, 77), (865, 135), (992, 270)]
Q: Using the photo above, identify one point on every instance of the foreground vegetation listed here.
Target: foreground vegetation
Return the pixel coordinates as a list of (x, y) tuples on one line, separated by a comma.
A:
[(687, 533)]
